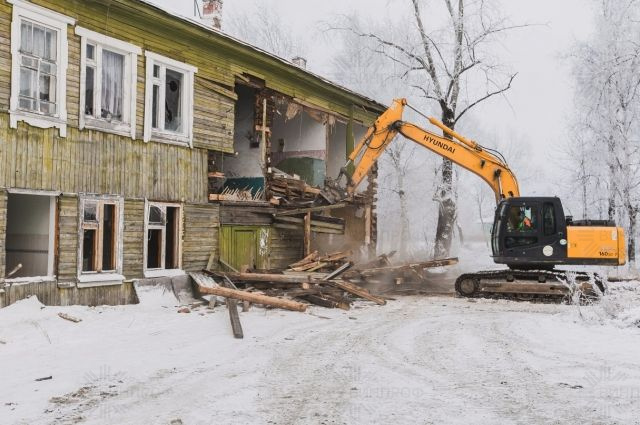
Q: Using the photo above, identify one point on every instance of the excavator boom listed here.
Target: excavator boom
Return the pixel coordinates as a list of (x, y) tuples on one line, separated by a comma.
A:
[(491, 167)]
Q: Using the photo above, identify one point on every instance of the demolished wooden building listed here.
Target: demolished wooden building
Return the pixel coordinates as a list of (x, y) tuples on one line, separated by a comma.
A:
[(137, 144)]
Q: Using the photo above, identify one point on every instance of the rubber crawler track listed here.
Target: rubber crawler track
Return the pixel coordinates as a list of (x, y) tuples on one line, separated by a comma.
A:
[(541, 277)]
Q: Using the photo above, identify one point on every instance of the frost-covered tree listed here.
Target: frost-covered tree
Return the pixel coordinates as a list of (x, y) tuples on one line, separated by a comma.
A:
[(261, 26), (606, 145), (441, 50)]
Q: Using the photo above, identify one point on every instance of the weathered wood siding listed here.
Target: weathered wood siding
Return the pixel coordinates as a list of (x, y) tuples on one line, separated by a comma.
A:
[(200, 238), (133, 239), (67, 269), (286, 247), (246, 215), (102, 163), (214, 112), (3, 228), (49, 293)]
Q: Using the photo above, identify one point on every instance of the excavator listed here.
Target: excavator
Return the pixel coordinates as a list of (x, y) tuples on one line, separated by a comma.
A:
[(530, 235)]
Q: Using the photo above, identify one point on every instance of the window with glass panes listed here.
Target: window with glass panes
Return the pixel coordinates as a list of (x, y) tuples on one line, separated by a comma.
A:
[(100, 223), (163, 236), (38, 58)]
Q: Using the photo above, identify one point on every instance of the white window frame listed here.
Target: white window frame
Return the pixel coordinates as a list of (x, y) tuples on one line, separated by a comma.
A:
[(189, 71), (130, 52), (161, 272), (98, 278), (58, 22)]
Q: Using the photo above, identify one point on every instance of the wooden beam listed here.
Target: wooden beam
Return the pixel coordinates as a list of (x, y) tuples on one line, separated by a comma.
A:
[(254, 298), (314, 229), (257, 277), (316, 223), (312, 209), (307, 233), (337, 272)]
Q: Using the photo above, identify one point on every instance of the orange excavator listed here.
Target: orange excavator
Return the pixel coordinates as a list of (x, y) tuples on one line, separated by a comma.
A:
[(530, 235)]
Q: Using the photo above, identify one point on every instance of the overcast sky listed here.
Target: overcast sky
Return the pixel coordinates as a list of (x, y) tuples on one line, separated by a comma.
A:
[(540, 100)]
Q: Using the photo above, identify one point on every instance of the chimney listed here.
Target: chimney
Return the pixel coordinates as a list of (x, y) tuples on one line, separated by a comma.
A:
[(300, 62), (212, 13)]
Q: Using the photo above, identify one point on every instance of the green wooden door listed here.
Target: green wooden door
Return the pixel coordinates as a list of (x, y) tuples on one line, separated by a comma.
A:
[(245, 246)]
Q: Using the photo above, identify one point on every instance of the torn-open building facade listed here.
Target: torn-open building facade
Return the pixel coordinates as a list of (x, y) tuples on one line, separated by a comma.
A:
[(138, 144)]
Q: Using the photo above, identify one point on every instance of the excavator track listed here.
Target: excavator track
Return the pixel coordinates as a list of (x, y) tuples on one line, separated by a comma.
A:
[(531, 285)]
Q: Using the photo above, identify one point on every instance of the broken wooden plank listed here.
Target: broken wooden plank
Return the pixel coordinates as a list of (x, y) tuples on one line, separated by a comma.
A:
[(254, 298), (308, 259), (234, 316), (70, 318), (337, 272), (356, 290), (325, 302), (307, 233)]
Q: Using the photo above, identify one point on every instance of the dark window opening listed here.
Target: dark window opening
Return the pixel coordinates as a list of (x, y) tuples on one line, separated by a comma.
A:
[(171, 248), (88, 251), (108, 237), (154, 249)]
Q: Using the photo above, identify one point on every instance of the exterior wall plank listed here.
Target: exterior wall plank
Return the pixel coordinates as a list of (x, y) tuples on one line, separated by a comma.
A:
[(86, 162), (133, 239), (67, 239), (3, 228), (200, 239)]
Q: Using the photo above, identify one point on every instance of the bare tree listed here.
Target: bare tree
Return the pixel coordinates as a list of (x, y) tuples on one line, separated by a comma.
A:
[(607, 71), (451, 66), (264, 28)]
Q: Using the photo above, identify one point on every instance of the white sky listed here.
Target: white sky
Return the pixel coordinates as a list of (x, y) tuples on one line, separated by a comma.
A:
[(540, 99)]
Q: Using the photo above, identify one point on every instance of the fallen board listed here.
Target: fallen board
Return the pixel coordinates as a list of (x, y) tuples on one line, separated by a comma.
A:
[(356, 290), (253, 297)]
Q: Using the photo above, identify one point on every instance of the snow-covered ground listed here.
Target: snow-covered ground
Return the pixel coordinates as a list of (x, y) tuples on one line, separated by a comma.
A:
[(417, 360)]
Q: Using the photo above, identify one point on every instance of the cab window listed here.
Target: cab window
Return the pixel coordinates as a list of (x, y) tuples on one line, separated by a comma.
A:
[(549, 219), (522, 219)]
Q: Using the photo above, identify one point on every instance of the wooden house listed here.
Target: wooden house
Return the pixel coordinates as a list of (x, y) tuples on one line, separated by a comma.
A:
[(125, 129)]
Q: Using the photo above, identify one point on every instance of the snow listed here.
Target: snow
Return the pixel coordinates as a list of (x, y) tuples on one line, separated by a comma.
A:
[(437, 359)]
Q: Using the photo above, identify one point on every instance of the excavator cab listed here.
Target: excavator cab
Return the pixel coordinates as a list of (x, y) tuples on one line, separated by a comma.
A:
[(533, 233)]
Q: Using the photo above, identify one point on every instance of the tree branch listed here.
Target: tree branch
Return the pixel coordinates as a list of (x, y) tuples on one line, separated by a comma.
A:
[(483, 98)]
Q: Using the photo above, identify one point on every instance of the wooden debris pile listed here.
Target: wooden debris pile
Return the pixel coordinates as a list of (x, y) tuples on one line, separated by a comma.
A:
[(315, 262), (291, 190), (329, 280)]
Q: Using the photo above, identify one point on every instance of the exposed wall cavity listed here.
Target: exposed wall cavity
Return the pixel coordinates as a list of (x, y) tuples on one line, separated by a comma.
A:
[(336, 149), (299, 142), (244, 169)]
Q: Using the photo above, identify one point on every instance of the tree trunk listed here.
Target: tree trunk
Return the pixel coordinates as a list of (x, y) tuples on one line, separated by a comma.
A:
[(631, 237), (447, 211), (404, 219)]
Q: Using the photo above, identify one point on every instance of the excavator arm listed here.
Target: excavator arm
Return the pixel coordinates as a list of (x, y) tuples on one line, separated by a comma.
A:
[(487, 164)]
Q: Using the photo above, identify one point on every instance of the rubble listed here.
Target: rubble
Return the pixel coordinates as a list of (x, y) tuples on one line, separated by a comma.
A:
[(330, 280)]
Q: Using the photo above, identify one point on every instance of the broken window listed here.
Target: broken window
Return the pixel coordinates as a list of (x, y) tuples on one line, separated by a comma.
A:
[(30, 235), (163, 236), (108, 73), (100, 235), (169, 110), (39, 64)]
